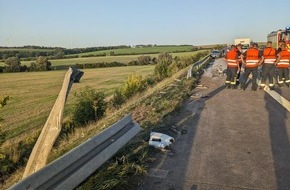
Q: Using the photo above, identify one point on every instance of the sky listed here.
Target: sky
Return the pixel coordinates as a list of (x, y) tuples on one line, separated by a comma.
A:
[(91, 23)]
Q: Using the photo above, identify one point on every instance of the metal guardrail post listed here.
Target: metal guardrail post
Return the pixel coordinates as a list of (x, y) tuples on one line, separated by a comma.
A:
[(196, 64), (75, 166), (52, 127)]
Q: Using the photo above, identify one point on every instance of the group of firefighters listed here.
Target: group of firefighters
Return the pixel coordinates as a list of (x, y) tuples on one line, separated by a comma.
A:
[(270, 59)]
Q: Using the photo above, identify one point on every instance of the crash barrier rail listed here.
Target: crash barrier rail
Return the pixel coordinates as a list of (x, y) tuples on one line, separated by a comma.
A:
[(75, 166), (52, 127), (197, 64), (280, 99)]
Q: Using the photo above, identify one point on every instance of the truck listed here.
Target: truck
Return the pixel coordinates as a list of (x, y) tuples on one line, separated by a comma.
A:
[(280, 36), (244, 41)]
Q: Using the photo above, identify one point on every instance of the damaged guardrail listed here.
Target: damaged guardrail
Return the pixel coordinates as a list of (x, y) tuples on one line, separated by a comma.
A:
[(197, 64), (75, 166)]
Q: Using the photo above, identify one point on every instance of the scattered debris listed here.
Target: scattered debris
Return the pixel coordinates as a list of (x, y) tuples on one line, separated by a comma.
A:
[(220, 71), (162, 92), (120, 160), (173, 84), (177, 80), (205, 96), (160, 140), (200, 86), (174, 129), (195, 96)]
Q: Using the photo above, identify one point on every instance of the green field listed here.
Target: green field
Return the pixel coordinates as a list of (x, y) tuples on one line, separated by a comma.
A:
[(143, 50), (34, 93), (123, 59)]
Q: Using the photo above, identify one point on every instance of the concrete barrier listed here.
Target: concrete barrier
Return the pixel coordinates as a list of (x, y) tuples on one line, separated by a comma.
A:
[(75, 166)]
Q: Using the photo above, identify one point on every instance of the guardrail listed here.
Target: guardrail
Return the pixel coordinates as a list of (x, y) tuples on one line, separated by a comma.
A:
[(197, 64), (75, 166), (52, 127)]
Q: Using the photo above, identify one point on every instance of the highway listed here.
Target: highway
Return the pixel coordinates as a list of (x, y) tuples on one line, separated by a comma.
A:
[(235, 140)]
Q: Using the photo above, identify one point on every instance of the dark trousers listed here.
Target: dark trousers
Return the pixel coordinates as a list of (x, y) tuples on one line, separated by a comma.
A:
[(267, 71), (231, 75), (254, 72), (283, 74)]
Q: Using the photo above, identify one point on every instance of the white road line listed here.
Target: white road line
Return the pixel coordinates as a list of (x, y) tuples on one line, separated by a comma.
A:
[(283, 101)]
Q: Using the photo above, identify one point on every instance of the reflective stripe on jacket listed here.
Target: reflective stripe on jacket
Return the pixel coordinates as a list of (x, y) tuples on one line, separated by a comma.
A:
[(269, 54), (284, 59), (252, 58), (232, 58)]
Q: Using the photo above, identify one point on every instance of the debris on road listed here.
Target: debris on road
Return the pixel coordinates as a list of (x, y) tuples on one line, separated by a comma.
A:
[(160, 140), (177, 131), (200, 86)]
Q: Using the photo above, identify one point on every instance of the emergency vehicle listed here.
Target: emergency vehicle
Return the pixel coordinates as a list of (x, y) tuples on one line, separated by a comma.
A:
[(279, 36)]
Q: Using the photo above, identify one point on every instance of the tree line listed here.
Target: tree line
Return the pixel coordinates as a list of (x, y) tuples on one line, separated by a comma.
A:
[(53, 52)]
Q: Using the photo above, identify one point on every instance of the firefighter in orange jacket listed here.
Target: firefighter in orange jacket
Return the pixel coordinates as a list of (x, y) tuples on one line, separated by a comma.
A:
[(233, 67), (268, 68), (282, 65), (252, 61)]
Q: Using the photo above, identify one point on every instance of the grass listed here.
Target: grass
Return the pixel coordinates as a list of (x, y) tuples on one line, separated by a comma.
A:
[(143, 50), (122, 58), (33, 94)]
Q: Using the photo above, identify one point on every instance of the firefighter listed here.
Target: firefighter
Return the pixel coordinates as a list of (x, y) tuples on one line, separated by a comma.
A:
[(282, 65), (252, 61), (232, 67), (268, 67)]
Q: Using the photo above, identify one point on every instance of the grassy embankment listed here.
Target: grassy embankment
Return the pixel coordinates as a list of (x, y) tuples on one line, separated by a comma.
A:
[(148, 109), (34, 95)]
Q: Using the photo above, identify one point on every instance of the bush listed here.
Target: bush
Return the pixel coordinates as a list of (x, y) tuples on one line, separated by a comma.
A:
[(162, 69), (144, 60), (90, 105), (13, 64), (133, 85), (118, 99)]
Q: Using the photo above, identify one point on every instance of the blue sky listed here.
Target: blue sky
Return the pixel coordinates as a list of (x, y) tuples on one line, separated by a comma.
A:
[(87, 23)]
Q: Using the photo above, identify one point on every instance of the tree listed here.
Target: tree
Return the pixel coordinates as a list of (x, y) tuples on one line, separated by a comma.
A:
[(13, 64), (43, 64), (58, 53)]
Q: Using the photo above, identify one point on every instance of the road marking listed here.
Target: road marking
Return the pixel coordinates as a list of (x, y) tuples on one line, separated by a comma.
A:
[(283, 101)]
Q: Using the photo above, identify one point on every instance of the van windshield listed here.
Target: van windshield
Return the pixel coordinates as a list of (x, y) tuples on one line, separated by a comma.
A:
[(245, 46)]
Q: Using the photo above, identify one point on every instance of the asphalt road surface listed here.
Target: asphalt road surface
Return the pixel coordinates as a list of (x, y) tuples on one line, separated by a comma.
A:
[(235, 140)]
